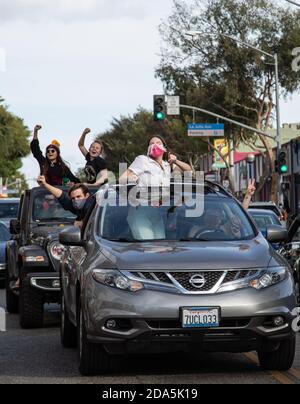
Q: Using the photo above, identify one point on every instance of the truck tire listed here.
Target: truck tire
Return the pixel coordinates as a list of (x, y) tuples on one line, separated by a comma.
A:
[(31, 306), (282, 359), (67, 329), (93, 359), (12, 300)]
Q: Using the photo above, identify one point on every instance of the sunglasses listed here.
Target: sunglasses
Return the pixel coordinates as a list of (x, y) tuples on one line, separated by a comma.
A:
[(51, 151)]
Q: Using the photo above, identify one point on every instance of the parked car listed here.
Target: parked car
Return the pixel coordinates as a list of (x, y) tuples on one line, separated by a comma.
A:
[(263, 219), (8, 209), (209, 283), (33, 256), (268, 206), (4, 237)]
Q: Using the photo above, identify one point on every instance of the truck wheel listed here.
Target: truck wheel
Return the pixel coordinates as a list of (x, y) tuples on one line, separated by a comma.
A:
[(12, 300), (67, 329), (93, 359), (282, 359), (31, 306)]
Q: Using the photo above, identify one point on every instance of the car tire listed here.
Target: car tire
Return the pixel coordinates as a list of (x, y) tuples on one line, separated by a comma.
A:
[(12, 300), (68, 333), (282, 359), (93, 359), (31, 306)]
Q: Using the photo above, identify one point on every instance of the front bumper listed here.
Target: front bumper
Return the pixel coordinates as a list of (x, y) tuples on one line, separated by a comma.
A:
[(149, 321), (2, 271), (45, 282)]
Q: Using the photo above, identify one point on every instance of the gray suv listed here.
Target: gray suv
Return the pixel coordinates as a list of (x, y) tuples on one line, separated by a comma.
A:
[(151, 278)]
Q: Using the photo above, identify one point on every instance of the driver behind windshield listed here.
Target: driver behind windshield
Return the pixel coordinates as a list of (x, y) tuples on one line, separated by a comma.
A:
[(216, 222)]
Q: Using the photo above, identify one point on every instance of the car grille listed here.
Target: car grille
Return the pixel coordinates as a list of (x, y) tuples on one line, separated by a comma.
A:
[(211, 279)]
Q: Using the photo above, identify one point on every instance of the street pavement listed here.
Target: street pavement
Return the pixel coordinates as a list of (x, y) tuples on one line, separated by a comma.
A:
[(37, 357)]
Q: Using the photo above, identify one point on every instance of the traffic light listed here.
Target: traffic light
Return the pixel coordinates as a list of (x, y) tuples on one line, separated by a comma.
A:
[(159, 107), (282, 163)]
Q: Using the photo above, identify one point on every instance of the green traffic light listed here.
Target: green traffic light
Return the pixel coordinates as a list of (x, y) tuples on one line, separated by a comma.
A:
[(160, 116), (284, 169)]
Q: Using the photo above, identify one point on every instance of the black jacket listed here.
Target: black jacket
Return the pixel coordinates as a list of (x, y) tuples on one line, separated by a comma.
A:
[(57, 173)]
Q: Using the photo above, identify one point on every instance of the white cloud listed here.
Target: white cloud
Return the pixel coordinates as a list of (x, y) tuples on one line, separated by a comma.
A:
[(81, 10)]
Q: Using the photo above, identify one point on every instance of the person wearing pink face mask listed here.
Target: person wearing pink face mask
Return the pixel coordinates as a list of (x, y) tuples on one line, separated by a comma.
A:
[(153, 170), (156, 168)]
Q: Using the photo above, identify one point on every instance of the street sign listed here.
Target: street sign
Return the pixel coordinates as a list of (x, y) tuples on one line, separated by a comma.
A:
[(173, 105), (206, 130)]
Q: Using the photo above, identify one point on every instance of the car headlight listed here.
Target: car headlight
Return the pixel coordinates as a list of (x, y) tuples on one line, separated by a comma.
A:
[(262, 280), (56, 250), (115, 279), (268, 278)]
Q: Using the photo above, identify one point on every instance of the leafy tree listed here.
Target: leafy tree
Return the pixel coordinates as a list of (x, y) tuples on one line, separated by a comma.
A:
[(14, 143), (214, 72)]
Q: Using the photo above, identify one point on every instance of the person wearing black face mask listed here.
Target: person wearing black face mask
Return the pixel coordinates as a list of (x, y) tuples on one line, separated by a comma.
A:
[(77, 201)]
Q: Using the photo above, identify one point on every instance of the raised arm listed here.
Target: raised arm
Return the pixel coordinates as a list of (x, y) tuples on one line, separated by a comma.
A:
[(81, 142), (35, 146), (36, 132), (54, 191), (250, 193)]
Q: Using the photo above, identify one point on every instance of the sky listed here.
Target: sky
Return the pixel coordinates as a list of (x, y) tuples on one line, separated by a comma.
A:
[(72, 64)]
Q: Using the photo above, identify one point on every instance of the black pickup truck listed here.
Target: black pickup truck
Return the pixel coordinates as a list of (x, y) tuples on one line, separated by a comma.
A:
[(33, 256)]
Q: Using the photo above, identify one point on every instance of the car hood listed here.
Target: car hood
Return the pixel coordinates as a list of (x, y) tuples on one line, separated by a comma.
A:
[(256, 253)]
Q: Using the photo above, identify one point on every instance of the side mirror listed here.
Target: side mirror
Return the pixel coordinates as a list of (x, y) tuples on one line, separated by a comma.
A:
[(71, 237), (15, 227), (276, 234)]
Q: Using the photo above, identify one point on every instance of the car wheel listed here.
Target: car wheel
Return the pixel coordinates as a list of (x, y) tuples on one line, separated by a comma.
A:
[(31, 306), (12, 300), (282, 359), (93, 359), (67, 329)]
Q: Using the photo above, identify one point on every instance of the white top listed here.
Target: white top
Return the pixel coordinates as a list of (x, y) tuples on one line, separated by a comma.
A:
[(150, 172)]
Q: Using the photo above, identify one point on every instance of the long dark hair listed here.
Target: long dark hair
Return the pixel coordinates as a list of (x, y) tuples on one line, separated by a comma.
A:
[(60, 162)]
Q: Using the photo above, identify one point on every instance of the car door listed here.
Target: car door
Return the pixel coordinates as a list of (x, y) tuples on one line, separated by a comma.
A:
[(72, 264)]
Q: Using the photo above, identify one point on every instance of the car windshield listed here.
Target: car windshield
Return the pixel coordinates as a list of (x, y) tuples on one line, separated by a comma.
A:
[(4, 233), (222, 219), (8, 210), (46, 208), (264, 220)]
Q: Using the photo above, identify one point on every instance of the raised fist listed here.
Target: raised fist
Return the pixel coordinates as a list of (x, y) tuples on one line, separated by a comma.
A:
[(86, 131), (37, 128)]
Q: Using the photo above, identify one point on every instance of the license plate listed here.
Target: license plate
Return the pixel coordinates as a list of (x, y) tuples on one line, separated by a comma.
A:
[(200, 317)]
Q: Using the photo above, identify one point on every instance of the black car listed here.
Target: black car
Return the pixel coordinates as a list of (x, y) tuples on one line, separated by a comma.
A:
[(8, 209), (33, 256), (4, 237)]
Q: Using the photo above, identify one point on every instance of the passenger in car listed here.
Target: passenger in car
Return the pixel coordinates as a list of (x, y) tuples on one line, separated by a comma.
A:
[(52, 166), (153, 170), (96, 167), (77, 201), (249, 195), (156, 168)]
